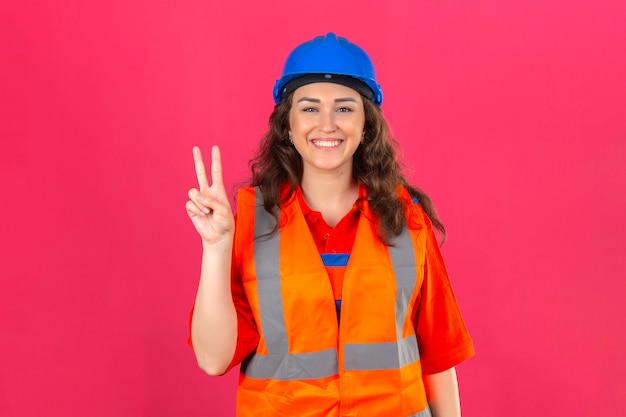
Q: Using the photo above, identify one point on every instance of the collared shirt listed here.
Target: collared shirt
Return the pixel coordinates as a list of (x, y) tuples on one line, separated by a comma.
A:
[(336, 240)]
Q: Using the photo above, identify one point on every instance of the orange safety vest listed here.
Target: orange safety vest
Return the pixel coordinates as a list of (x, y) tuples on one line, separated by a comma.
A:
[(306, 365)]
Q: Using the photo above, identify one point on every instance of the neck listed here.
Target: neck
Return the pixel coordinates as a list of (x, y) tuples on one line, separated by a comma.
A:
[(331, 195)]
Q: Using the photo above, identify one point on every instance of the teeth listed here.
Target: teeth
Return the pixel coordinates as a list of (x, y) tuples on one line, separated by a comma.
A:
[(327, 143)]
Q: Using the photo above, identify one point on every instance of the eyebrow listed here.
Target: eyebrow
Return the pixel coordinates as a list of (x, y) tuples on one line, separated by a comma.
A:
[(337, 100)]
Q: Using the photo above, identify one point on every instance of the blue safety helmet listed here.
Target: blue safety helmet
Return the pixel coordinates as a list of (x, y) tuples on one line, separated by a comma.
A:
[(329, 59)]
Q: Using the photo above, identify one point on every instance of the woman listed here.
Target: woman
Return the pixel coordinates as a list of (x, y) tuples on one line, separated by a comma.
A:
[(329, 286)]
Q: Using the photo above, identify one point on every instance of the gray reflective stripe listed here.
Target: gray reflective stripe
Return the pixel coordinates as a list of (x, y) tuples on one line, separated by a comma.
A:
[(391, 355), (388, 355), (268, 279), (375, 356), (423, 413), (279, 364), (293, 366), (405, 270), (409, 351)]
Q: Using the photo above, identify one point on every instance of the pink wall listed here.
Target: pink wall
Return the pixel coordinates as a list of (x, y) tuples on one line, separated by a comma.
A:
[(512, 114)]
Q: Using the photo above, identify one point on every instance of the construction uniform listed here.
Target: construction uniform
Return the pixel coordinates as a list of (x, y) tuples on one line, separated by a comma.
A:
[(348, 333)]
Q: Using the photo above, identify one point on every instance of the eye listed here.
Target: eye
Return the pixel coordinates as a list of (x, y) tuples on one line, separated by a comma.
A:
[(344, 109), (309, 109)]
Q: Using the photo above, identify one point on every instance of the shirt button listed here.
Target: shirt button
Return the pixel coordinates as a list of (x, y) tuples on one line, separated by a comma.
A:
[(326, 236), (333, 251)]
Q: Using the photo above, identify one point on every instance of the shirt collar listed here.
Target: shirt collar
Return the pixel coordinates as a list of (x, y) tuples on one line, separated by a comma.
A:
[(306, 210)]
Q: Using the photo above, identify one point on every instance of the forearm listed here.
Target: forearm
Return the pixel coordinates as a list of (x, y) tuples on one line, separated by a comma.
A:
[(214, 320), (442, 391)]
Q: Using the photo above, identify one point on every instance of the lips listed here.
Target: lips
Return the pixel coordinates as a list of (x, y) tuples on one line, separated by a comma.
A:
[(326, 143)]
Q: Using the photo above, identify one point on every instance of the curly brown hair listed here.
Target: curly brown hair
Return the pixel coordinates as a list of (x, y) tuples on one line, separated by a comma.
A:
[(375, 166)]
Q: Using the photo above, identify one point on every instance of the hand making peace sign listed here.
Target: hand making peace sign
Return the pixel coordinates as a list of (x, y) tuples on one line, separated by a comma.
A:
[(209, 208)]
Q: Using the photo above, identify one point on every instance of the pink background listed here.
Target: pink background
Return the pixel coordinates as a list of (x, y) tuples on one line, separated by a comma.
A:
[(512, 115)]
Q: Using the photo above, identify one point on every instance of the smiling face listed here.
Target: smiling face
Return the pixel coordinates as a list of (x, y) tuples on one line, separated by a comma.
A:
[(326, 124)]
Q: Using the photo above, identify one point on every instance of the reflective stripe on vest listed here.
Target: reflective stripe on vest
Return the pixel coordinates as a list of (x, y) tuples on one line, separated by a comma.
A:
[(424, 413), (279, 364)]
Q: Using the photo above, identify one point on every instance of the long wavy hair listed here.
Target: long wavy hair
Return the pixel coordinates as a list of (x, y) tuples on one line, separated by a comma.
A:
[(375, 166)]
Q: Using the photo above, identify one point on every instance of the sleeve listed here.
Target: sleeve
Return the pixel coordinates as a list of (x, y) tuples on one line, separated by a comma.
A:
[(247, 333), (442, 337)]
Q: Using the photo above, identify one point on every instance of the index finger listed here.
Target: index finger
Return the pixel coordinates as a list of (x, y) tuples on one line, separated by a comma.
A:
[(203, 182), (216, 166)]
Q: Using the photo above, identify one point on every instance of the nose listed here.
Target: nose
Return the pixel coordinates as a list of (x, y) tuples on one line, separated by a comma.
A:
[(327, 121)]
